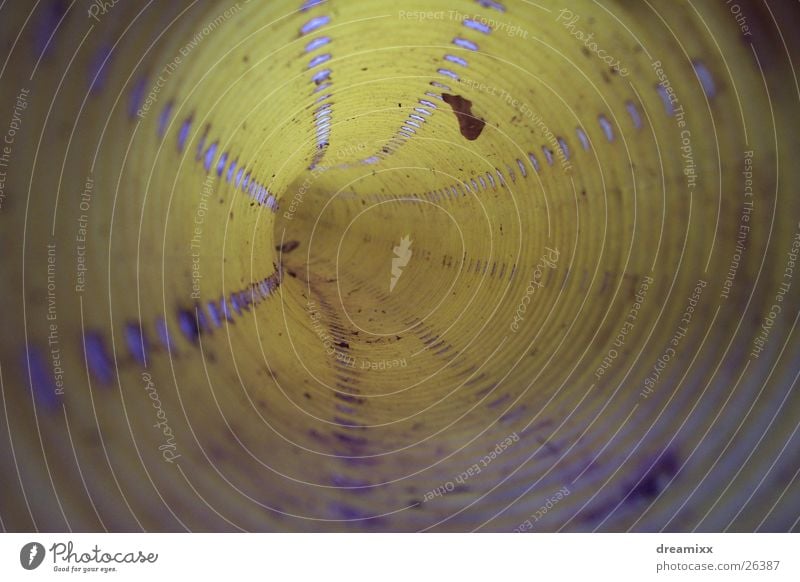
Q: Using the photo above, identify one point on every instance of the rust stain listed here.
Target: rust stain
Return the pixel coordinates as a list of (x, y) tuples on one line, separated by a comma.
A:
[(470, 125)]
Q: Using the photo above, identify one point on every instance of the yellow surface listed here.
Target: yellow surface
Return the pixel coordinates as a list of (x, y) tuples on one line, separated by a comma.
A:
[(337, 404)]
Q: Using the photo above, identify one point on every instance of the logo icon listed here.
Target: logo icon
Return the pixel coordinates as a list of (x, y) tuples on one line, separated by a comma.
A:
[(31, 555), (402, 256)]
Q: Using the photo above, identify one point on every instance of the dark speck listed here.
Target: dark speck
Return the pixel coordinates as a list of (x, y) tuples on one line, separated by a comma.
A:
[(654, 480), (288, 247)]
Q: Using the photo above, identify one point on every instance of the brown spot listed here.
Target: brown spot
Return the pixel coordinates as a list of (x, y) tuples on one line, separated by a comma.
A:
[(471, 126), (288, 246)]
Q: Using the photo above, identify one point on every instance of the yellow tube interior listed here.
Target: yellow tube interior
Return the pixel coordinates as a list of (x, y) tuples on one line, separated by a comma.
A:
[(582, 318)]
